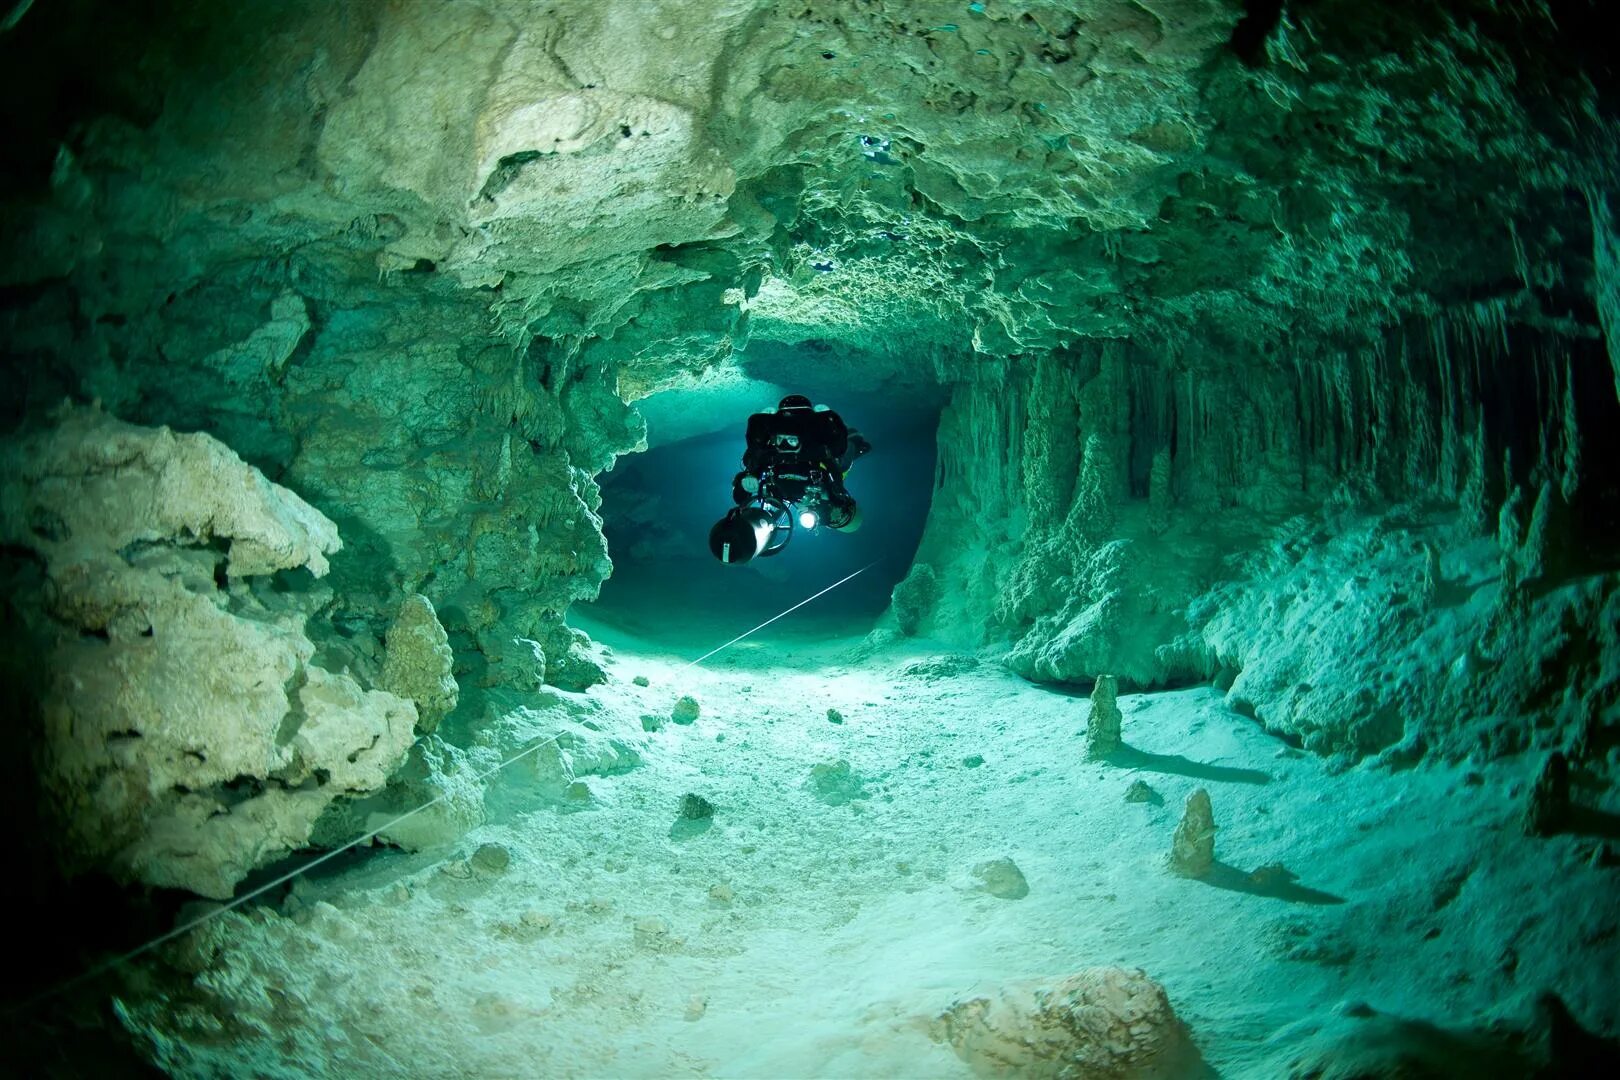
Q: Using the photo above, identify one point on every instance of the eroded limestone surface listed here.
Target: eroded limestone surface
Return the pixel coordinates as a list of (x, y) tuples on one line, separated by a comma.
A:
[(187, 736)]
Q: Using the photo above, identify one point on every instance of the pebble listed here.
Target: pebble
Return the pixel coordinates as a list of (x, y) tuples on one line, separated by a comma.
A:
[(642, 680), (834, 716)]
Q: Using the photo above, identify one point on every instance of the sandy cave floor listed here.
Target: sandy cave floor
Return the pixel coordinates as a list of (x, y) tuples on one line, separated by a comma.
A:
[(797, 938)]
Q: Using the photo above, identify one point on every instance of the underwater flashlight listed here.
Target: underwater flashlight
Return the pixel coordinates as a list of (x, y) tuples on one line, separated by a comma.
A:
[(808, 519)]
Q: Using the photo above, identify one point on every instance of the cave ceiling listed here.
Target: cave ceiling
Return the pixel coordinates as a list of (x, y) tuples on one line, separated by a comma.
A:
[(653, 186)]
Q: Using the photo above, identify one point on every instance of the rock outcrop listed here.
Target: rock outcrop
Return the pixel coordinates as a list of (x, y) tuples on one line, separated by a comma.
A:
[(1100, 1023), (187, 736), (418, 664), (1192, 849), (1103, 718)]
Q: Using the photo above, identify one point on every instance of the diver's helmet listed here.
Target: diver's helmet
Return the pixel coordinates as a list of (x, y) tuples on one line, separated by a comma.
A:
[(793, 401)]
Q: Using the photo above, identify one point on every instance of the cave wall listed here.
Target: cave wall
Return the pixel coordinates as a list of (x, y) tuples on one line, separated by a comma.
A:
[(1214, 295)]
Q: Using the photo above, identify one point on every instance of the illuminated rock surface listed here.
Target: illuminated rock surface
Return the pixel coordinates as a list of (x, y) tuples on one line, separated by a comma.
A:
[(1256, 364)]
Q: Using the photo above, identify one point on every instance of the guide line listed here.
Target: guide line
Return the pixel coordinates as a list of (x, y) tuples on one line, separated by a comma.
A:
[(213, 913)]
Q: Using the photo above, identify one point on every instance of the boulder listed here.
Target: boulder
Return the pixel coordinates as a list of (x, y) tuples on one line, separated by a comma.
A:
[(1098, 1024)]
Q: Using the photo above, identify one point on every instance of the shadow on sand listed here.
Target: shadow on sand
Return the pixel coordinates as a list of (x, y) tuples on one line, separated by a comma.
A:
[(1274, 881), (1131, 758), (1586, 821)]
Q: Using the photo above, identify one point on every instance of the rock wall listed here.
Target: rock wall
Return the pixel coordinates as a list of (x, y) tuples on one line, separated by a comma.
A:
[(185, 736), (1408, 546)]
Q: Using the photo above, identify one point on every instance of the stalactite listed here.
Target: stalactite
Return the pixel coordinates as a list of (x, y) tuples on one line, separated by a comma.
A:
[(1606, 258), (1569, 464)]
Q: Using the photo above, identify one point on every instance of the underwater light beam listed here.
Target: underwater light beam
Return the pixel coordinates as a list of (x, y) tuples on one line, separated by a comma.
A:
[(784, 614)]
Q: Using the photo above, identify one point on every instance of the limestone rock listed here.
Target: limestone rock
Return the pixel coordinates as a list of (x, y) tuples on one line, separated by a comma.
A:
[(1102, 722), (932, 668), (1160, 499), (564, 761), (188, 736), (490, 860), (834, 716), (1192, 850), (695, 807), (1097, 1024), (437, 775), (1140, 791), (686, 710), (914, 598), (1002, 878), (572, 660), (418, 663), (92, 486)]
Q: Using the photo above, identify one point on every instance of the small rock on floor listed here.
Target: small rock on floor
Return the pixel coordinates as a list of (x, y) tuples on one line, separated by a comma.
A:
[(696, 807), (642, 680), (685, 711), (490, 859), (1139, 791), (973, 761), (834, 716), (1002, 878)]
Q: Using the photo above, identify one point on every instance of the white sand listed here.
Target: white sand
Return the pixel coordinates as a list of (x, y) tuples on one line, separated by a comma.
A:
[(849, 926)]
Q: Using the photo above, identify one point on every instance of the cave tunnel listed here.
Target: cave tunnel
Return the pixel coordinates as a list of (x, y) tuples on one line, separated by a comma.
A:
[(1224, 677), (659, 506)]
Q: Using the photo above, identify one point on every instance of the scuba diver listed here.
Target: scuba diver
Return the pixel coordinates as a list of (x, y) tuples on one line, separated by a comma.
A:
[(793, 473)]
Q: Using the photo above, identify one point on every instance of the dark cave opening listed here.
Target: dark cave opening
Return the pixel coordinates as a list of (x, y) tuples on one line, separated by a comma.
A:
[(658, 507)]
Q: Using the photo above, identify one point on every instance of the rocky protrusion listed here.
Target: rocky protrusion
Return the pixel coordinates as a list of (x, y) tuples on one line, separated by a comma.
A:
[(189, 737), (1091, 516), (1100, 1023), (1547, 811), (1192, 851), (1103, 721), (695, 816), (913, 599), (418, 664)]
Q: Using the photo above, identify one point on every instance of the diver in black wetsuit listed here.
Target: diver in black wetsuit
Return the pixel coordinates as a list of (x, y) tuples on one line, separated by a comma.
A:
[(796, 440)]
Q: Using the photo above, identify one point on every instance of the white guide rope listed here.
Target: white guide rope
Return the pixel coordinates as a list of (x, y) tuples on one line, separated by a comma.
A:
[(213, 913)]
